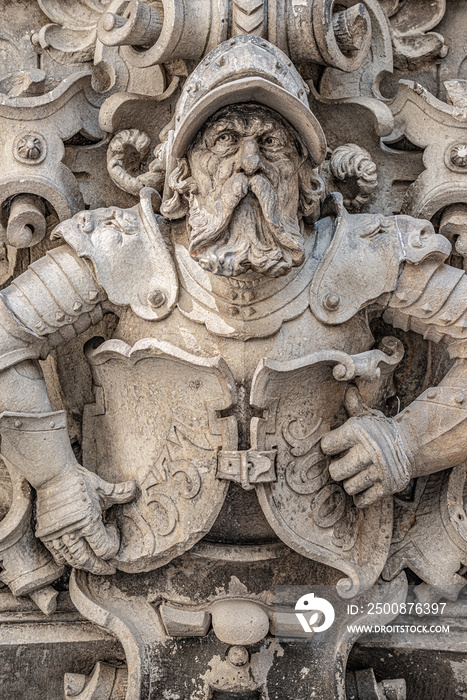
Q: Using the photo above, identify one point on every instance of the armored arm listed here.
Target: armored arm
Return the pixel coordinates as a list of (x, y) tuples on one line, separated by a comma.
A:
[(383, 453), (53, 301), (431, 299)]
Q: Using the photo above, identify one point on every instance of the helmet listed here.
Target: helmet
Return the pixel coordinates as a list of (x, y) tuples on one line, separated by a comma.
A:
[(246, 69)]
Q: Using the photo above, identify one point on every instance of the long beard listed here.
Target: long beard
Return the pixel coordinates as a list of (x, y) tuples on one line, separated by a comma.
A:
[(244, 231)]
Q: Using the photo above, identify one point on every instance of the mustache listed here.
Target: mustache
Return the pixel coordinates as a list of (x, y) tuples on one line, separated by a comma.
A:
[(207, 227)]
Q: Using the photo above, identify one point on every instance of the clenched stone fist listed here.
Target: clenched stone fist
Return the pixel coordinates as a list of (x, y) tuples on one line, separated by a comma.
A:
[(69, 519)]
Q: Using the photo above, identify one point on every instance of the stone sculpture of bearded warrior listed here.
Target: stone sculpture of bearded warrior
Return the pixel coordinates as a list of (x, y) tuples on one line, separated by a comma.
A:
[(234, 396)]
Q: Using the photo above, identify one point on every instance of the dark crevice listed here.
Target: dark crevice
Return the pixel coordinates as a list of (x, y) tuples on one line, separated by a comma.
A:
[(403, 144), (80, 139)]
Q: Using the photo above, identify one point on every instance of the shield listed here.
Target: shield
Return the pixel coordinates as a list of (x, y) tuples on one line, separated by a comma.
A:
[(156, 420), (308, 510)]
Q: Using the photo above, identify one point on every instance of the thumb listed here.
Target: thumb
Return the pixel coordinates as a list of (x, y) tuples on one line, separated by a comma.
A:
[(109, 493)]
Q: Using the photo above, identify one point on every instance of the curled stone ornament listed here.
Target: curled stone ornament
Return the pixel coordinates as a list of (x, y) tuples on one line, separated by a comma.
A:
[(30, 148), (307, 475), (329, 506)]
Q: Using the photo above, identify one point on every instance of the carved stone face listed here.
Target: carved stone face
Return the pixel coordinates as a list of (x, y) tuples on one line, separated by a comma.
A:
[(244, 193), (109, 224)]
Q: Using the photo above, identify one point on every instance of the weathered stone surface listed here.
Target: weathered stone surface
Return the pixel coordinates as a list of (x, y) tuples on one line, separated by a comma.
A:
[(233, 331)]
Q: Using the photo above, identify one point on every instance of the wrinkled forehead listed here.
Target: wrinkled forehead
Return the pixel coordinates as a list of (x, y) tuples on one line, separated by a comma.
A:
[(247, 120)]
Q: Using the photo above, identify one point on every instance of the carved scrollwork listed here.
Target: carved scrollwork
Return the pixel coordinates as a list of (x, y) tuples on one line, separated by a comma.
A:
[(164, 513), (414, 44), (346, 530), (441, 183), (329, 506), (71, 37), (308, 474), (312, 31), (35, 181), (360, 90), (237, 254), (301, 445), (137, 24)]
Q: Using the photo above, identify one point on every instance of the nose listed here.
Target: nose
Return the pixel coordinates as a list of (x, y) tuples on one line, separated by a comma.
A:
[(250, 159)]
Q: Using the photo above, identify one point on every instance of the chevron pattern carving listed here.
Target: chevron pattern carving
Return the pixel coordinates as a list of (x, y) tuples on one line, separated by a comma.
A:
[(248, 17)]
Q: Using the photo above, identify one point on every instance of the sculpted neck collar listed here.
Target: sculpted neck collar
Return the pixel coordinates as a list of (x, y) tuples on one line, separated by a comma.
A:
[(245, 308)]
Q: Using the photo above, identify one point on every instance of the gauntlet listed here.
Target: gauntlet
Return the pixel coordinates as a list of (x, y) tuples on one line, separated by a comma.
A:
[(70, 499), (376, 462)]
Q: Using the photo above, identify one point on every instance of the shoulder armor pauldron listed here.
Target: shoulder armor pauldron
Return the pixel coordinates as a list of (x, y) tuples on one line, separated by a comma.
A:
[(364, 259), (130, 255)]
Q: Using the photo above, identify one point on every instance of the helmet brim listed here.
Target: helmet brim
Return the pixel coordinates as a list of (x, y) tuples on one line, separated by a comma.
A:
[(259, 91)]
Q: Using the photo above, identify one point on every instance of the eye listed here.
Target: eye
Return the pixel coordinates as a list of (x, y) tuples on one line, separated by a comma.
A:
[(270, 141), (226, 138)]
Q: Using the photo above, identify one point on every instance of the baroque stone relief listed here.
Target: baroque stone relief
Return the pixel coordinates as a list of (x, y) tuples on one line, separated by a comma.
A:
[(232, 328)]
